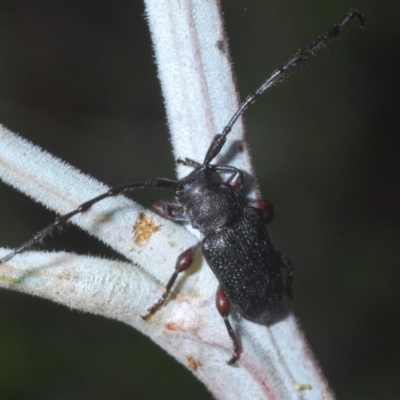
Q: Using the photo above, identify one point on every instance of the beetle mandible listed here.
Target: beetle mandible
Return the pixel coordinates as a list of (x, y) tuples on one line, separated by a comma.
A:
[(235, 243)]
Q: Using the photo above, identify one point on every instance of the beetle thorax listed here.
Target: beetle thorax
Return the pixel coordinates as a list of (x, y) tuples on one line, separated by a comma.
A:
[(208, 202)]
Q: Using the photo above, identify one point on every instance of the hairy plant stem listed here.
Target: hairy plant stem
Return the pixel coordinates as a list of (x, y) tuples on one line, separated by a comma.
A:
[(198, 87)]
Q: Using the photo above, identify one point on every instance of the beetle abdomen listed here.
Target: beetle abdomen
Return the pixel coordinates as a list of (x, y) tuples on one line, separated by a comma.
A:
[(247, 266)]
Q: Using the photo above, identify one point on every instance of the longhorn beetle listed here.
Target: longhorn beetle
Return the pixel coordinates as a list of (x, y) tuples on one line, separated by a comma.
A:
[(235, 243)]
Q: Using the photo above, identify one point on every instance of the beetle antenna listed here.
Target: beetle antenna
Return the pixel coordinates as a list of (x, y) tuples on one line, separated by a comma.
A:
[(278, 76)]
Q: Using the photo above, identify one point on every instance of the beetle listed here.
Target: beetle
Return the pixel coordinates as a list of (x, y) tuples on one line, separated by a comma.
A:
[(235, 242)]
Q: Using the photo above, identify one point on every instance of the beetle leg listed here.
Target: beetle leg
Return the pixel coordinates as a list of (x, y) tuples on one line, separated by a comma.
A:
[(266, 207), (287, 263), (235, 181), (169, 210), (184, 261), (222, 303), (188, 162)]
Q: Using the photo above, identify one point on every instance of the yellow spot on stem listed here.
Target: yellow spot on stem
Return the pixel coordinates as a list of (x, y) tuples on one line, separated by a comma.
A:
[(8, 279), (302, 386), (144, 228), (192, 363)]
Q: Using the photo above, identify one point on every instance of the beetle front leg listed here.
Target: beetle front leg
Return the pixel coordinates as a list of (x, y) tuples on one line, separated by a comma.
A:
[(184, 261), (222, 303), (169, 209), (235, 181)]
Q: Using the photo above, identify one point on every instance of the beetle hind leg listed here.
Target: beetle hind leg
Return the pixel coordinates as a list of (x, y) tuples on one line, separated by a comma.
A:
[(287, 263), (222, 303)]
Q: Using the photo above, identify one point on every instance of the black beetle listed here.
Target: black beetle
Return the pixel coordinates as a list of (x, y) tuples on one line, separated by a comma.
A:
[(235, 244)]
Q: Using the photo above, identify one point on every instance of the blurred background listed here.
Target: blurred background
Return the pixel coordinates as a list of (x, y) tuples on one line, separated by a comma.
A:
[(78, 78)]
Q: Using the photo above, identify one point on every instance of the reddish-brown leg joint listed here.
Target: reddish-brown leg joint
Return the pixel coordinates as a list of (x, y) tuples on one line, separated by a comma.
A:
[(168, 210), (162, 208), (266, 207), (236, 181), (183, 262), (222, 303)]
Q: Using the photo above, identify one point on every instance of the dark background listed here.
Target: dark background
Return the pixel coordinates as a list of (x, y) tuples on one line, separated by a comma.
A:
[(78, 79)]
